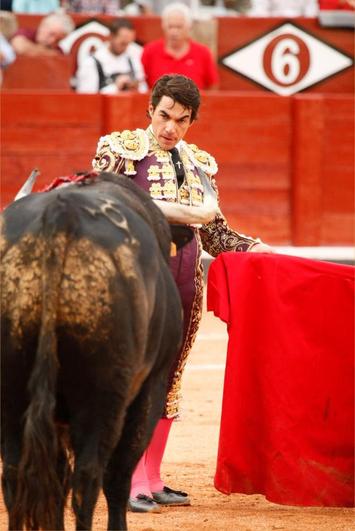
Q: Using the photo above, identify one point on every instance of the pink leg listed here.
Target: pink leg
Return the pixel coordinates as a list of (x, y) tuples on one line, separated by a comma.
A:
[(140, 483), (154, 454)]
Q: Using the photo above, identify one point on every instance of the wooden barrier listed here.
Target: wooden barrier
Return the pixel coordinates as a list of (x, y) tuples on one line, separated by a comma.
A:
[(54, 132), (323, 170), (285, 164), (39, 73)]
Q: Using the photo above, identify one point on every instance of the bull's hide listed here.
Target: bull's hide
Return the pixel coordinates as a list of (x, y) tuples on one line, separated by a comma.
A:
[(91, 322)]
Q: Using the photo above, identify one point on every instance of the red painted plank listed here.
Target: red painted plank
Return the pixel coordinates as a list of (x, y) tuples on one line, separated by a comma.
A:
[(49, 73)]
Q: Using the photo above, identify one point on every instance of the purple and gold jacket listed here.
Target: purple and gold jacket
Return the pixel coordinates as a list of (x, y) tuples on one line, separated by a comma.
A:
[(137, 154)]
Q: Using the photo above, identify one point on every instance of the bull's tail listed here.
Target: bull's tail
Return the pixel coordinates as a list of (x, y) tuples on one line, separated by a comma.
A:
[(39, 491)]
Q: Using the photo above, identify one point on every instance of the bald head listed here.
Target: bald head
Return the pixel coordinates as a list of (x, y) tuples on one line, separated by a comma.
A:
[(53, 28), (176, 24)]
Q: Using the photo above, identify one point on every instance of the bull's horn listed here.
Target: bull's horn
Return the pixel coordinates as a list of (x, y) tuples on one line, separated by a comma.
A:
[(28, 185)]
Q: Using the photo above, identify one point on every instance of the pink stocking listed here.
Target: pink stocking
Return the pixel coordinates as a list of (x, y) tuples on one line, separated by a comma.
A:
[(154, 454), (140, 483)]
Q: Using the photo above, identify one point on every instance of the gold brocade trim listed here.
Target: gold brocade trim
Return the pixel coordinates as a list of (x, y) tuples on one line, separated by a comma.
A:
[(119, 149), (105, 160), (217, 237), (154, 146), (130, 169), (202, 159), (174, 394), (192, 191), (132, 145)]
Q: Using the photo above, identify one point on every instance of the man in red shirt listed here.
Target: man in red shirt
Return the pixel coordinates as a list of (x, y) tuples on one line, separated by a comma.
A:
[(177, 53), (337, 4)]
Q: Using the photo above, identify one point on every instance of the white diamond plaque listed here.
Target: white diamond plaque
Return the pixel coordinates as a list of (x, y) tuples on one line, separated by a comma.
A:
[(287, 60)]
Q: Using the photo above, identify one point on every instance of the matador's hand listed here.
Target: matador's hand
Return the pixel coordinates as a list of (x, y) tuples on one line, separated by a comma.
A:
[(261, 248)]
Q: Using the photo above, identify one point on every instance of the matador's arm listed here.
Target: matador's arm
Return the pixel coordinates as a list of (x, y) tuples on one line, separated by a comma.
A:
[(217, 237)]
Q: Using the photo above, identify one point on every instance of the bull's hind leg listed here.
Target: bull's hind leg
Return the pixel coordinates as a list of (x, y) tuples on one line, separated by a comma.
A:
[(11, 449), (94, 435), (64, 473), (14, 379), (87, 478), (140, 422)]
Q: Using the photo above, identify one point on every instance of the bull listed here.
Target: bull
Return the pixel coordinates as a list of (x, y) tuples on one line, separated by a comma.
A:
[(91, 322)]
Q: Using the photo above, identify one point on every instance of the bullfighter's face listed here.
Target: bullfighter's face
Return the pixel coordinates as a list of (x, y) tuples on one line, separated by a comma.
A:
[(170, 122)]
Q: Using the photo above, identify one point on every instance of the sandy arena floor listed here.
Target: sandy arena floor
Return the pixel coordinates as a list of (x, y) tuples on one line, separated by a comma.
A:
[(191, 458)]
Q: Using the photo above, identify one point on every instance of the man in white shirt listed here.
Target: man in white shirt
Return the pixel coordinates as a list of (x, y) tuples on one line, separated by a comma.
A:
[(115, 66)]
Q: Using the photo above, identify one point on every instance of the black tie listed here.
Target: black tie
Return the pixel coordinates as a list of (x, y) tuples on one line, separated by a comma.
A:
[(178, 165)]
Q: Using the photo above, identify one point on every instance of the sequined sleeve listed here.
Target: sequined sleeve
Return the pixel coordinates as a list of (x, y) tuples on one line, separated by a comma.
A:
[(217, 237), (118, 151), (106, 160)]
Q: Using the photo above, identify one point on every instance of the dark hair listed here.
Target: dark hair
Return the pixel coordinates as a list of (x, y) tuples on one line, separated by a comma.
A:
[(180, 89), (120, 23)]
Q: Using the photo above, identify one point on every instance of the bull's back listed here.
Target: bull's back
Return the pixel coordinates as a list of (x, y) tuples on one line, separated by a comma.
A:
[(108, 258)]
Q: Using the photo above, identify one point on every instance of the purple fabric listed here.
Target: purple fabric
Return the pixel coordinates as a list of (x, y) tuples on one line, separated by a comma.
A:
[(30, 34), (182, 266)]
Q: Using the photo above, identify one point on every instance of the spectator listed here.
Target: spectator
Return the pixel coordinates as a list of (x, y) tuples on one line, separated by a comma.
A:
[(44, 40), (157, 6), (177, 53), (138, 7), (8, 26), (106, 7), (224, 7), (283, 8), (35, 6), (115, 66), (7, 53)]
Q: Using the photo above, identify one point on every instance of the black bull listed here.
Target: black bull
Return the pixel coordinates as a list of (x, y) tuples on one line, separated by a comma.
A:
[(91, 322)]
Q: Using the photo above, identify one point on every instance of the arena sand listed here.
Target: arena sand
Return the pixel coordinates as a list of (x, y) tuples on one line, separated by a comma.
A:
[(190, 463)]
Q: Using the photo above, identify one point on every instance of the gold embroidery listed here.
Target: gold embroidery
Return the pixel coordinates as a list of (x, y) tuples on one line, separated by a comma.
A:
[(130, 169), (167, 171), (174, 394), (128, 144), (156, 191), (161, 155), (173, 249), (196, 197), (202, 159), (217, 237), (169, 190), (184, 195), (105, 160), (153, 173)]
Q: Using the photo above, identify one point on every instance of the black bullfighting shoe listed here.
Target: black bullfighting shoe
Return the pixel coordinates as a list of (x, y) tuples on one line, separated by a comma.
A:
[(143, 504), (171, 497)]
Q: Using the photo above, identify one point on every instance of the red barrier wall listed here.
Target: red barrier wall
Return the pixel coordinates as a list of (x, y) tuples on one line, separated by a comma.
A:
[(323, 170), (39, 73), (55, 132), (285, 164)]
